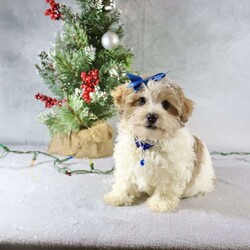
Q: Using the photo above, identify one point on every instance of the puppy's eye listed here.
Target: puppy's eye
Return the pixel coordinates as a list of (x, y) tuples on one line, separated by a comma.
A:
[(165, 105), (142, 101)]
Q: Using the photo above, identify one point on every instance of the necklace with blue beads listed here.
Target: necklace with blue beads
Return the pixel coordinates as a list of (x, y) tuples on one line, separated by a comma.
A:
[(143, 146)]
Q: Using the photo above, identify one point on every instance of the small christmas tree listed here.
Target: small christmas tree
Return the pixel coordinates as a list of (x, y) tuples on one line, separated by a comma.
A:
[(78, 70)]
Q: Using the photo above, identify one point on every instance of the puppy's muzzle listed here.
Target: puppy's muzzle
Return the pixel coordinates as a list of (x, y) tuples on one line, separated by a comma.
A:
[(151, 118)]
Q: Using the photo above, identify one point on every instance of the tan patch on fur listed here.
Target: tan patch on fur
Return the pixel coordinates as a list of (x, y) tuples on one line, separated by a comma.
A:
[(187, 110), (180, 105), (167, 94), (187, 104), (120, 95), (199, 151)]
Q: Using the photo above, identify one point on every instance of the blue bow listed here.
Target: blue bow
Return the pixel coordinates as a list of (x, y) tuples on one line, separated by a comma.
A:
[(137, 81)]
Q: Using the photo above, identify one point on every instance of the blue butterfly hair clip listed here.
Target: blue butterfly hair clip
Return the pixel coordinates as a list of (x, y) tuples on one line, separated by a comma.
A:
[(137, 82)]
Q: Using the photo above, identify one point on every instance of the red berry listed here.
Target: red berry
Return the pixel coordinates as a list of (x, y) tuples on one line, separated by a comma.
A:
[(54, 11), (91, 79), (49, 101)]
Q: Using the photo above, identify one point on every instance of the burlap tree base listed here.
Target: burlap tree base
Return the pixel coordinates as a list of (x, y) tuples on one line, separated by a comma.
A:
[(95, 142)]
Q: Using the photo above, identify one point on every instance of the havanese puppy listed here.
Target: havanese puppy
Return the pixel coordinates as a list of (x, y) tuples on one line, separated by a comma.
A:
[(154, 153)]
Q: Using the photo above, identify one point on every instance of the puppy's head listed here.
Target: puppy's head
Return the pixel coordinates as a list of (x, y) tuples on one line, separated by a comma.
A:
[(155, 112)]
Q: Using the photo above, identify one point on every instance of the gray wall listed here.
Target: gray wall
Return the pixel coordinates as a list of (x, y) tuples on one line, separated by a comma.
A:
[(205, 44)]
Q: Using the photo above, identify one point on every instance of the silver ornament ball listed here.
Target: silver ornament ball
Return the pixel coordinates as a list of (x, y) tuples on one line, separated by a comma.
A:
[(110, 40), (108, 4)]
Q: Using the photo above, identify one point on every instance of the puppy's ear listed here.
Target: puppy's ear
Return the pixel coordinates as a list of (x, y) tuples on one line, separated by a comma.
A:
[(186, 105), (120, 95), (187, 109)]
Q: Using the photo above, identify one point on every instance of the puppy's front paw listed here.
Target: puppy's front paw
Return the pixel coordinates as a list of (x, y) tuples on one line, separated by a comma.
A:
[(161, 204), (115, 199)]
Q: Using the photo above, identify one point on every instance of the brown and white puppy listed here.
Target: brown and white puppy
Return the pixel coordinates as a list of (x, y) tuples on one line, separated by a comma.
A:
[(154, 153)]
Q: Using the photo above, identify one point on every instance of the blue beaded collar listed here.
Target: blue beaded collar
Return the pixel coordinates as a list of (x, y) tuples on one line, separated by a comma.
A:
[(143, 146)]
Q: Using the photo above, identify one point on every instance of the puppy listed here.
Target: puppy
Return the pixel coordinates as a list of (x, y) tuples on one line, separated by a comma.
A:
[(154, 153)]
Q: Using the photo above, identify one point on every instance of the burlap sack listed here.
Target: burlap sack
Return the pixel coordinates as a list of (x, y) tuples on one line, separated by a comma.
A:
[(95, 142)]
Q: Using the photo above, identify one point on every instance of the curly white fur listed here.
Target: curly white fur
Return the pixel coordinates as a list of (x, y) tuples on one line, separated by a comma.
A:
[(168, 174)]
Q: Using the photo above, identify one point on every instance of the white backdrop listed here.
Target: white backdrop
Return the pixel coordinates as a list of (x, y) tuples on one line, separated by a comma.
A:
[(205, 44)]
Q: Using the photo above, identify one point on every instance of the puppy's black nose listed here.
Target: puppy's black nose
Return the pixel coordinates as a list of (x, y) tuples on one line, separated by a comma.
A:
[(152, 118)]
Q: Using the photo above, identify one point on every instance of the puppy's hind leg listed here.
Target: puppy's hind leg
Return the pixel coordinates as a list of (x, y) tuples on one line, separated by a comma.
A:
[(203, 177)]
